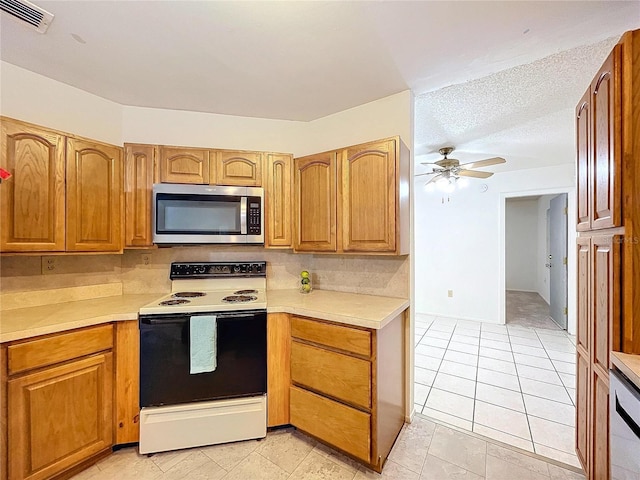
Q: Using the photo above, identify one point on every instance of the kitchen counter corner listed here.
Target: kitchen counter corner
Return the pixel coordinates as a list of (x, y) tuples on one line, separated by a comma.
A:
[(628, 364), (370, 311)]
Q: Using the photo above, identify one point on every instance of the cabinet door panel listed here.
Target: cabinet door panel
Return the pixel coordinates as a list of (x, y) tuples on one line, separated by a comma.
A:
[(583, 423), (600, 425), (33, 211), (334, 374), (343, 427), (584, 165), (94, 196), (278, 368), (60, 416), (127, 387), (238, 168), (584, 293), (369, 198), (278, 190), (139, 175), (184, 165), (606, 176), (605, 299), (315, 203)]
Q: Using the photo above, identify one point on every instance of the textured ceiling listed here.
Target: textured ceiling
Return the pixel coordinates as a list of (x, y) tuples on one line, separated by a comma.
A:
[(524, 114)]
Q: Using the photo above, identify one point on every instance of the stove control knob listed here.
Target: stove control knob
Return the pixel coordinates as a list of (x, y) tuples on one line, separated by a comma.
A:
[(257, 268), (200, 269), (236, 268)]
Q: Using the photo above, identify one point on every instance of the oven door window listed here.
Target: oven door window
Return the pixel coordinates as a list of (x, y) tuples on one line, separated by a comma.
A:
[(205, 214)]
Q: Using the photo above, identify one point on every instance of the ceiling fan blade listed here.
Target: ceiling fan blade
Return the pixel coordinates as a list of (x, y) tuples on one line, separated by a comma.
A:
[(425, 173), (473, 173), (428, 163), (484, 163), (435, 179)]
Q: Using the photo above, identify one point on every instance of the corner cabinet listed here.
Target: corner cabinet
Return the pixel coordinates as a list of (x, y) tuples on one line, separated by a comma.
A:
[(347, 386), (60, 395), (354, 200), (608, 218), (65, 193)]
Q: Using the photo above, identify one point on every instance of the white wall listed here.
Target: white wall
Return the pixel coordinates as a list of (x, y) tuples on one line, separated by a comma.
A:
[(460, 242), (521, 242), (36, 99)]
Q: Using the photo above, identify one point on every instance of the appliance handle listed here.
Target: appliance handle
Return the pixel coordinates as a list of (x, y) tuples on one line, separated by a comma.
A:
[(635, 428), (159, 320), (243, 215)]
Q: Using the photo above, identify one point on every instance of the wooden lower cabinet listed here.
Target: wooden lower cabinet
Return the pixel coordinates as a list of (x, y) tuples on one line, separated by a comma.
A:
[(278, 371), (343, 427), (59, 403), (347, 386)]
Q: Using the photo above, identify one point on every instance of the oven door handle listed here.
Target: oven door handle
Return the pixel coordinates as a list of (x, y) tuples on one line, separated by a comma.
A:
[(169, 320), (635, 428)]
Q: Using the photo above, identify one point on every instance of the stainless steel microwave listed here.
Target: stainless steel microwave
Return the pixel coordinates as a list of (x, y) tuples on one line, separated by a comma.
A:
[(185, 214)]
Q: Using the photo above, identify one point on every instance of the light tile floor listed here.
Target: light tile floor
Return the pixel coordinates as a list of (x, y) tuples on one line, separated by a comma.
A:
[(511, 383), (425, 450)]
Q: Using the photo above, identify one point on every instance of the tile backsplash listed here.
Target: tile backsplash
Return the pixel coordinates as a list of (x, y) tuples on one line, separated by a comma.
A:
[(147, 271)]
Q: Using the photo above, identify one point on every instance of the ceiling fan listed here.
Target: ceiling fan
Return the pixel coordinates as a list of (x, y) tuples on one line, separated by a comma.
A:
[(448, 170)]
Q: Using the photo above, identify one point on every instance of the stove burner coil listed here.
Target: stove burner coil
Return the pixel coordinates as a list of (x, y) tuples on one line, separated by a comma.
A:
[(239, 298), (245, 292), (177, 301), (188, 294)]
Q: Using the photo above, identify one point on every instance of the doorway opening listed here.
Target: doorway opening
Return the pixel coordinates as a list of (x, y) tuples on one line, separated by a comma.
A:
[(536, 261)]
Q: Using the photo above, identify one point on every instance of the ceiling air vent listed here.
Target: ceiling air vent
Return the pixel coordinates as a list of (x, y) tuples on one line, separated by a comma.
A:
[(27, 13)]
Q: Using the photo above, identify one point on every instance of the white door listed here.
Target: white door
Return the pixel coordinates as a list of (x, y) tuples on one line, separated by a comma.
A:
[(558, 260)]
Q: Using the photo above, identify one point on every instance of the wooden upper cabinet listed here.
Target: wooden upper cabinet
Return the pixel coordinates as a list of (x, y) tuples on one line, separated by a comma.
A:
[(368, 213), (94, 196), (315, 202), (32, 214), (237, 168), (583, 167), (139, 176), (184, 165), (606, 125), (278, 193)]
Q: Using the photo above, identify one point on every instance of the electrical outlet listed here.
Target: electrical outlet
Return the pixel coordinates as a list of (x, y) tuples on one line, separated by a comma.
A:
[(449, 293), (48, 265), (146, 258)]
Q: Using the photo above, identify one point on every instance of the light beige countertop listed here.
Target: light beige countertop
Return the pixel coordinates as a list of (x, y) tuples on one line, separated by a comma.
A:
[(22, 323), (369, 311), (361, 310), (628, 364)]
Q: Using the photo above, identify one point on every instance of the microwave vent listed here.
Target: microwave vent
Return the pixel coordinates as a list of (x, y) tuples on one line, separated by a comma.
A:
[(27, 13)]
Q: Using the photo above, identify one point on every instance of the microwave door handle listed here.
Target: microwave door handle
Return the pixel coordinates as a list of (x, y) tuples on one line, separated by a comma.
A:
[(243, 215)]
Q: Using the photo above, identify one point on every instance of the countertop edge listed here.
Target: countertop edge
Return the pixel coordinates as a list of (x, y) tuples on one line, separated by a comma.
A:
[(281, 306), (628, 364)]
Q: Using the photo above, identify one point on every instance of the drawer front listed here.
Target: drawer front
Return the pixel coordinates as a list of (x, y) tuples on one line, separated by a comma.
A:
[(343, 427), (335, 374), (58, 348), (335, 336)]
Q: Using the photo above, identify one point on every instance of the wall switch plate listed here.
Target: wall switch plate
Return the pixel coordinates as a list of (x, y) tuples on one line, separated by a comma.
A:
[(48, 265), (449, 293)]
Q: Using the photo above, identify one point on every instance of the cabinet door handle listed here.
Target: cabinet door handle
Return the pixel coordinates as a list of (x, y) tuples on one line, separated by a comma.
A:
[(635, 428)]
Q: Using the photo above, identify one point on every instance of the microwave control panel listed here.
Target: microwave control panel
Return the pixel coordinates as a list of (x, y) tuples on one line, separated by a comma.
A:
[(254, 215)]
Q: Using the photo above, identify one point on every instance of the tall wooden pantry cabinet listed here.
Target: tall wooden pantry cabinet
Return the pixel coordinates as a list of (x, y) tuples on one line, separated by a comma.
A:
[(608, 219)]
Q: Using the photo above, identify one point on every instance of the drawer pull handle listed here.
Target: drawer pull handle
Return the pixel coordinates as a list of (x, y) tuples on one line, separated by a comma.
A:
[(635, 428)]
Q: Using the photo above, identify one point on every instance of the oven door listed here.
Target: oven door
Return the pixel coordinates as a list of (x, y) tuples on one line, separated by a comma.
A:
[(165, 359)]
